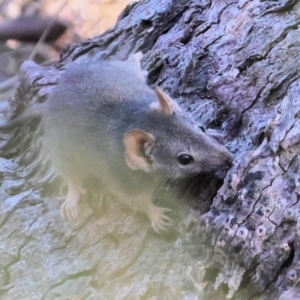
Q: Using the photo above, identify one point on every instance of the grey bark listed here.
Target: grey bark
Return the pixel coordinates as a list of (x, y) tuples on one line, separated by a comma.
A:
[(235, 66)]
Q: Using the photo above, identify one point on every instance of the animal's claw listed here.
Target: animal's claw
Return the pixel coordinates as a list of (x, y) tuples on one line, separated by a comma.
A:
[(159, 220), (70, 208)]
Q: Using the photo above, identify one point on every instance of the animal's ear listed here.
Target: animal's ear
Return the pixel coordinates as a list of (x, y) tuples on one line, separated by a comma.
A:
[(135, 59), (135, 64), (166, 103), (138, 143)]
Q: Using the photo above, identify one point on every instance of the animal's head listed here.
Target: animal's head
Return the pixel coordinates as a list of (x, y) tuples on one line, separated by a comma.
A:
[(173, 145)]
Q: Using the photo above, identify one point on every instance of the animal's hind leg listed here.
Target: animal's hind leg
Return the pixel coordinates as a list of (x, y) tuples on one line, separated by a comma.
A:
[(70, 208)]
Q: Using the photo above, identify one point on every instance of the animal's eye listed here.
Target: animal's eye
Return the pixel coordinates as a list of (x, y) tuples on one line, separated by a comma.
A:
[(202, 128), (185, 159)]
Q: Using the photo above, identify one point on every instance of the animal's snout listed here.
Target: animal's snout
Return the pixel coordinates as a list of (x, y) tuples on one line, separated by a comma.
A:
[(225, 166), (228, 161)]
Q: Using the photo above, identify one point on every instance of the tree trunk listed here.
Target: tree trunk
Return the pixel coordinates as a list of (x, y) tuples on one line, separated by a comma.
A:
[(235, 66)]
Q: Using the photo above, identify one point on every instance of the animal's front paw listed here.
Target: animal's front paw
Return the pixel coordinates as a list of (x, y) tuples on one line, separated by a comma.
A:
[(159, 220), (70, 210)]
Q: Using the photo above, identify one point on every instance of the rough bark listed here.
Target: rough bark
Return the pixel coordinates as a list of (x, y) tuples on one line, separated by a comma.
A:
[(235, 66)]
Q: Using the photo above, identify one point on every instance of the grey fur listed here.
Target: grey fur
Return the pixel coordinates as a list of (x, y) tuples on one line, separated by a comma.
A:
[(85, 119)]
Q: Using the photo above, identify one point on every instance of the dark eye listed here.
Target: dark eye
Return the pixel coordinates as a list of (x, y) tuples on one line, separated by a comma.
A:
[(185, 159), (202, 128)]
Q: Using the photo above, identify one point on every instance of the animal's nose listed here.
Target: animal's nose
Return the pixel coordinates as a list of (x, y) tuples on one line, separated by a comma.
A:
[(221, 172), (226, 165), (228, 162), (228, 159)]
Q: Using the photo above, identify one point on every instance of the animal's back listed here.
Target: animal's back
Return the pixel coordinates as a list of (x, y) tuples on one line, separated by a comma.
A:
[(88, 113)]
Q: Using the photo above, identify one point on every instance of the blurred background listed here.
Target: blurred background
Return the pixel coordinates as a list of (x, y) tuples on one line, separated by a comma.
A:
[(41, 29)]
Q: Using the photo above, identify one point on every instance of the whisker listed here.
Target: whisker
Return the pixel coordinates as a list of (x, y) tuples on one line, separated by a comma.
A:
[(160, 187), (167, 189), (190, 187)]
